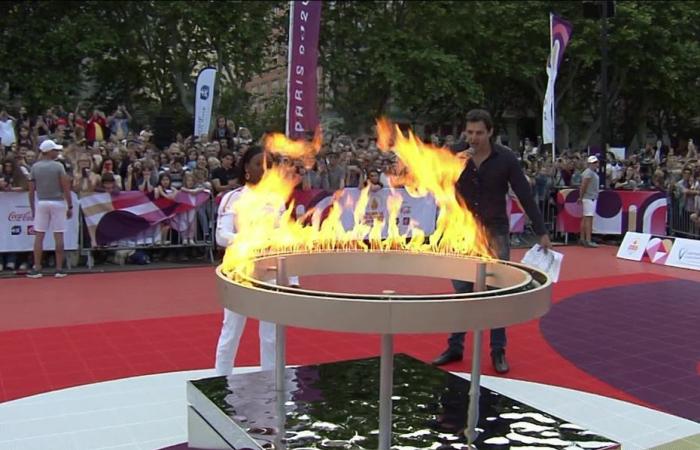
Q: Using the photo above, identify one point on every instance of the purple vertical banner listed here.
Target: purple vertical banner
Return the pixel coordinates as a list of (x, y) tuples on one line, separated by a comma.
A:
[(560, 34), (302, 86)]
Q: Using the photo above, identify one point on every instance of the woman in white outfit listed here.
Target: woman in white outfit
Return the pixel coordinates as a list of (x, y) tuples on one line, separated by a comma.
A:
[(252, 165)]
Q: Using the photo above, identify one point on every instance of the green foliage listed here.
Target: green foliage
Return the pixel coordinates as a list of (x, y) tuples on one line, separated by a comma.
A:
[(430, 60)]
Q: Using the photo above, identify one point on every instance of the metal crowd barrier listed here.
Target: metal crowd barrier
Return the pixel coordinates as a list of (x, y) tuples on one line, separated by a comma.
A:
[(197, 228), (679, 220)]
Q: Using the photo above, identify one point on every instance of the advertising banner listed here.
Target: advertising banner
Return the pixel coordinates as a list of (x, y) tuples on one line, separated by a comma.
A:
[(633, 246), (204, 99), (422, 212), (302, 89), (685, 253), (17, 226), (616, 212)]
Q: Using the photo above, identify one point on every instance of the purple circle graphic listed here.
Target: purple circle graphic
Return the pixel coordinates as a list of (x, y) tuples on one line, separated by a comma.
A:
[(609, 204), (642, 339)]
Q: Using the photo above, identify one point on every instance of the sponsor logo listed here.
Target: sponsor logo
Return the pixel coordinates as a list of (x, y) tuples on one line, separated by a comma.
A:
[(15, 216), (634, 245), (204, 92), (16, 230), (689, 256)]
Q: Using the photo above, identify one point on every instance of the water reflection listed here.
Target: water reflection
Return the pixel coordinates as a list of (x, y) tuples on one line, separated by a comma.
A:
[(335, 405)]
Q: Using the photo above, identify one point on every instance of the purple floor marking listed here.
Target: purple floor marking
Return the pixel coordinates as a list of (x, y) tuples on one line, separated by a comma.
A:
[(642, 339)]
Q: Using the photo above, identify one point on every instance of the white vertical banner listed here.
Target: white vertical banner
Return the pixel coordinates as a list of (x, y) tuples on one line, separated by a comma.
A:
[(559, 35), (204, 100)]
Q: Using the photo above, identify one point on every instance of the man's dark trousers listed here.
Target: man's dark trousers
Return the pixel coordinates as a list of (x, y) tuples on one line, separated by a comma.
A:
[(500, 243)]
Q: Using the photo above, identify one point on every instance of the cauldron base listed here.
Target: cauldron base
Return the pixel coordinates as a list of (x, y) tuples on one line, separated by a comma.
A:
[(335, 405)]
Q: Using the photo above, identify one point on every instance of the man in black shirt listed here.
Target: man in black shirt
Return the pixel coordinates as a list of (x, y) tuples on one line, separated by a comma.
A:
[(225, 178), (483, 185)]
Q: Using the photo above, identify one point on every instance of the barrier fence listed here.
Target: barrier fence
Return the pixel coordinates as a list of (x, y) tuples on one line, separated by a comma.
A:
[(133, 225)]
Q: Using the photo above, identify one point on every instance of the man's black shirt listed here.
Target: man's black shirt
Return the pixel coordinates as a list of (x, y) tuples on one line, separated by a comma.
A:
[(224, 175), (484, 190)]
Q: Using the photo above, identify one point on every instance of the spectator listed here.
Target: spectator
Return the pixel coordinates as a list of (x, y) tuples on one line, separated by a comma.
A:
[(96, 127), (118, 122), (107, 166), (108, 184), (201, 172), (373, 181), (222, 132), (191, 159), (226, 177), (134, 174), (336, 172), (213, 163), (588, 197), (354, 175), (25, 138), (188, 223), (12, 176), (52, 188), (164, 162), (688, 189), (165, 190), (7, 130), (177, 173), (83, 182), (149, 179)]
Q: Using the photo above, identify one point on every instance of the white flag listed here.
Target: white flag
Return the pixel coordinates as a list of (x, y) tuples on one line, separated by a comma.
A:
[(204, 98)]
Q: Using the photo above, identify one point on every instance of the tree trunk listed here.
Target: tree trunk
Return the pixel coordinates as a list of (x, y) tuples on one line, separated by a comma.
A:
[(184, 94), (587, 135)]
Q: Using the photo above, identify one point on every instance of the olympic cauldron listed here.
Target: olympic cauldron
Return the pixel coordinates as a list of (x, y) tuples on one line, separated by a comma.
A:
[(505, 293)]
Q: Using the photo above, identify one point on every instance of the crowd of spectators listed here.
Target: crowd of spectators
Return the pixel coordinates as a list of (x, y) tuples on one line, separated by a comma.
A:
[(105, 153)]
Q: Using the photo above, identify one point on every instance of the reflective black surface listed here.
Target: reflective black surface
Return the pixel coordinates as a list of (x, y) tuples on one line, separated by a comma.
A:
[(335, 405)]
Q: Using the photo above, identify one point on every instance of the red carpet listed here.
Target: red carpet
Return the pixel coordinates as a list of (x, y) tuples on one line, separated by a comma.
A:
[(89, 328)]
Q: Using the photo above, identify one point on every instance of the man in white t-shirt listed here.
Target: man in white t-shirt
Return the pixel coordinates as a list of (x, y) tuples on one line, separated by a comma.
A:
[(588, 197), (51, 204), (7, 131)]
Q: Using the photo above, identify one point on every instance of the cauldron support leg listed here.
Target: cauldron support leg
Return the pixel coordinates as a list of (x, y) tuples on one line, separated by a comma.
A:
[(280, 332), (386, 384), (475, 381)]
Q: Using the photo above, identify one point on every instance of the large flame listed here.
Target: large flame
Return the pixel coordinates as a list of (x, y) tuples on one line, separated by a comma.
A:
[(265, 223)]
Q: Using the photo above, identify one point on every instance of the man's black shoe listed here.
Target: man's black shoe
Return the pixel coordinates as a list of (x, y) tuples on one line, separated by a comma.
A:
[(498, 360), (447, 357)]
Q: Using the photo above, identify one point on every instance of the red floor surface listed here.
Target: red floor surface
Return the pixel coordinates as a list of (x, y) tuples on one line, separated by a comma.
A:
[(89, 328)]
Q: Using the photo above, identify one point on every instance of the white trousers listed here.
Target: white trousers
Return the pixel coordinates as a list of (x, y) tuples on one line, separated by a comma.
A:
[(230, 337)]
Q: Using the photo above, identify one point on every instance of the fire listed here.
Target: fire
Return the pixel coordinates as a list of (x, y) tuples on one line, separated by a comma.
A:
[(265, 223)]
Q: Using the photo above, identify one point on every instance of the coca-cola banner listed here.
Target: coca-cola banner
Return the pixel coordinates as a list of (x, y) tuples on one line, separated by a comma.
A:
[(17, 226), (302, 90)]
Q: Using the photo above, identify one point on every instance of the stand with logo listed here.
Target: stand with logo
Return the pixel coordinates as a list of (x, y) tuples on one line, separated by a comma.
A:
[(664, 250)]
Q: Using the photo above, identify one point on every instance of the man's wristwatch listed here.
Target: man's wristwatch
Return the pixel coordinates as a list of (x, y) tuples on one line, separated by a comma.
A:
[(70, 206)]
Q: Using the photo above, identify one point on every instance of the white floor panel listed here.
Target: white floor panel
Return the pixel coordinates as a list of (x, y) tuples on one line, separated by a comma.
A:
[(149, 412)]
